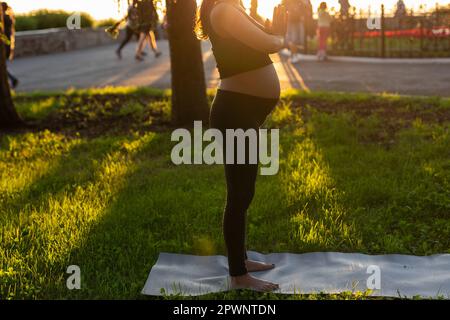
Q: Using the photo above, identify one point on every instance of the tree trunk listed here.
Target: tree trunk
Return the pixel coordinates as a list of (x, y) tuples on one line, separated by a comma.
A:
[(189, 101), (8, 115)]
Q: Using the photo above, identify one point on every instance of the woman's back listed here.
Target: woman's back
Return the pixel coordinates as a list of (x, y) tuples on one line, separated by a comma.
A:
[(8, 21), (146, 11)]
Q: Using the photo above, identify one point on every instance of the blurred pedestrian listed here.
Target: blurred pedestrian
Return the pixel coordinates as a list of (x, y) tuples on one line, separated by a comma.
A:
[(9, 24), (299, 12), (132, 28), (165, 24), (148, 19), (296, 30), (323, 30), (400, 9), (345, 8)]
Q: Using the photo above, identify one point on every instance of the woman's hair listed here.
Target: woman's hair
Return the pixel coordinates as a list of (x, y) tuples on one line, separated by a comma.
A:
[(323, 6), (202, 26)]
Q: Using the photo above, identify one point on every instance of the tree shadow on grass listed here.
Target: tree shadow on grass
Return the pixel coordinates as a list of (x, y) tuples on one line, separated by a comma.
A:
[(71, 170), (306, 203), (396, 205), (164, 208), (41, 222), (160, 207)]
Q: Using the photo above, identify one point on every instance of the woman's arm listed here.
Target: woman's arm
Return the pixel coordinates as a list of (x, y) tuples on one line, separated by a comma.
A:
[(229, 21)]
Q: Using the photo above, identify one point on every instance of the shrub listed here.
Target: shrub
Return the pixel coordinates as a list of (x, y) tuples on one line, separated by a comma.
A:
[(46, 19), (106, 23)]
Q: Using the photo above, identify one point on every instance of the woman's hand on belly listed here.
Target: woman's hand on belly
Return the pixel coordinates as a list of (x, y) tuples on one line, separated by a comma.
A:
[(263, 82)]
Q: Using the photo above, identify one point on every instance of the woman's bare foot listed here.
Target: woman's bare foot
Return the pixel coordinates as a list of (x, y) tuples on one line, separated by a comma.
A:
[(248, 282), (255, 266)]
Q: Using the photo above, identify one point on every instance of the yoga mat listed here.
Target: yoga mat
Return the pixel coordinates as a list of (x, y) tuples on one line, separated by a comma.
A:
[(325, 272)]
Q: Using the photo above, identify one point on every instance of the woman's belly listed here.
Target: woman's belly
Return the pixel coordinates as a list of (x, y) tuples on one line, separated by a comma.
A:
[(261, 82)]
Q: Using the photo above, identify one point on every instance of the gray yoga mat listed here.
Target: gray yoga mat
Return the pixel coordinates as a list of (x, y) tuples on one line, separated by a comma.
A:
[(329, 272)]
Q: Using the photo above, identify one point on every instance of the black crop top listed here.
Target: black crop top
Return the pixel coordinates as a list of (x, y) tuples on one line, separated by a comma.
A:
[(234, 57)]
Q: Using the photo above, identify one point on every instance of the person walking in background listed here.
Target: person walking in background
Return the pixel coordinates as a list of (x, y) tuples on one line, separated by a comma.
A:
[(131, 28), (346, 27), (165, 24), (308, 19), (323, 30), (148, 19), (295, 35), (9, 22), (400, 9), (345, 8), (300, 13)]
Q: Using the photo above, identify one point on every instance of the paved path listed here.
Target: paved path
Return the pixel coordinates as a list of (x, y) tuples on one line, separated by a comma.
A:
[(99, 67)]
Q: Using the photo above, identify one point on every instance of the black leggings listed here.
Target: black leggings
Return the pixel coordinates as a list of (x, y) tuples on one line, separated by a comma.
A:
[(11, 77), (128, 36), (231, 110)]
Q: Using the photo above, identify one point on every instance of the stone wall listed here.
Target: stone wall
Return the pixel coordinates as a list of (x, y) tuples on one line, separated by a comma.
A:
[(32, 43)]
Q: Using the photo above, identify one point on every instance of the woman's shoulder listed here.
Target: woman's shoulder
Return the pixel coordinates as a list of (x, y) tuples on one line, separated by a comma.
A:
[(224, 10), (222, 15)]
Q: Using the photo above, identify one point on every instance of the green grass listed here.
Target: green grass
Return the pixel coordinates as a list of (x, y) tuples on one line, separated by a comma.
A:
[(395, 47), (92, 184)]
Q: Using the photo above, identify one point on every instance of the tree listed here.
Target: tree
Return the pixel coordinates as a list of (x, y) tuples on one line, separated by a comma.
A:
[(189, 101), (9, 117)]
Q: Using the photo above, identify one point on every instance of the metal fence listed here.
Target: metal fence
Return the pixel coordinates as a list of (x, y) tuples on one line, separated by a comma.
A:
[(425, 33)]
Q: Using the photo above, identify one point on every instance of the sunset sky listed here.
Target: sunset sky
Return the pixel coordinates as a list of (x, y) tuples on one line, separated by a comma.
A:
[(101, 9)]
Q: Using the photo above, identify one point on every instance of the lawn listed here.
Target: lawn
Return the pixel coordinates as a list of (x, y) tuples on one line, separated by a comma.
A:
[(91, 183), (396, 47)]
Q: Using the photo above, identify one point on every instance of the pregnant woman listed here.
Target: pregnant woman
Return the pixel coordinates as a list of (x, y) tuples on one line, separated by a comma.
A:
[(248, 92)]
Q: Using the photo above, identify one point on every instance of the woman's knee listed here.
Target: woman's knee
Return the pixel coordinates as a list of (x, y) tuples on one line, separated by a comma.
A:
[(239, 200)]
